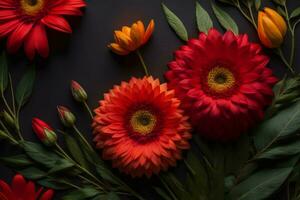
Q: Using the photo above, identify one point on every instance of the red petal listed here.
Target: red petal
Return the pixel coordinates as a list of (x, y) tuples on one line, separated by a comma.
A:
[(47, 195), (18, 185), (16, 39), (37, 41), (57, 23), (6, 190), (7, 27), (7, 14)]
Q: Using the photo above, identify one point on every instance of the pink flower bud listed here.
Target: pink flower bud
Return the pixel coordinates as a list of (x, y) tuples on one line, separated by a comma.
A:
[(66, 116), (44, 132), (78, 92)]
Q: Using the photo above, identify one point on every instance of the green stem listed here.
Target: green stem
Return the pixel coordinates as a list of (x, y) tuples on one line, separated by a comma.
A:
[(280, 53), (142, 62), (66, 156), (8, 135), (250, 19), (88, 109), (292, 51), (82, 138), (6, 104), (12, 94), (168, 188), (251, 15)]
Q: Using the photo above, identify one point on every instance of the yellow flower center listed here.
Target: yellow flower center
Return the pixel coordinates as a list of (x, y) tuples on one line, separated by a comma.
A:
[(32, 7), (220, 79), (143, 122)]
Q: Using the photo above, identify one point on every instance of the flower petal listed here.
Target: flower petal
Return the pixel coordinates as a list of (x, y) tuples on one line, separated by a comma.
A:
[(57, 23)]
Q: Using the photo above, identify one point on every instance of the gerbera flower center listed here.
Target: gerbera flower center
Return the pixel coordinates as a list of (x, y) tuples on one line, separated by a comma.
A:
[(143, 122), (32, 7), (220, 79)]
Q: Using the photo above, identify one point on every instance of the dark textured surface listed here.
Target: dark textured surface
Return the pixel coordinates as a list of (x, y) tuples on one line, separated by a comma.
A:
[(85, 58)]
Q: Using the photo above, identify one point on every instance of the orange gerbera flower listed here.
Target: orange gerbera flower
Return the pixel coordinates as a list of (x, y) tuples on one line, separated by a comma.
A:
[(131, 38), (140, 127)]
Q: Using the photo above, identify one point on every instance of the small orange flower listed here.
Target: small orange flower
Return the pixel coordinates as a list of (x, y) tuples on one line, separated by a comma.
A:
[(131, 38), (271, 28)]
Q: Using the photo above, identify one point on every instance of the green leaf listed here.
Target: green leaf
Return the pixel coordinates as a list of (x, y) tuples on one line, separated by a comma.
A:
[(225, 20), (280, 151), (40, 154), (112, 196), (3, 72), (61, 165), (84, 193), (107, 175), (285, 123), (17, 161), (55, 183), (25, 86), (175, 23), (257, 4), (204, 21), (33, 173), (198, 181), (295, 13), (75, 150), (263, 183)]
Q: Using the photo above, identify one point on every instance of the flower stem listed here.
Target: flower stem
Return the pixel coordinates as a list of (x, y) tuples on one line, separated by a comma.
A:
[(280, 54), (251, 18), (66, 156), (82, 138), (88, 109), (292, 31), (142, 62)]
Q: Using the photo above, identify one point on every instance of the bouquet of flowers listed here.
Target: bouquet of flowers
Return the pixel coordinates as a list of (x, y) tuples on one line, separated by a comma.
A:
[(222, 117)]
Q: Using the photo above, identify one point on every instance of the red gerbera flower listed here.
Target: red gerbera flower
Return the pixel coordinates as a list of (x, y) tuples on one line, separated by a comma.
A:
[(24, 21), (140, 127), (223, 83), (22, 190)]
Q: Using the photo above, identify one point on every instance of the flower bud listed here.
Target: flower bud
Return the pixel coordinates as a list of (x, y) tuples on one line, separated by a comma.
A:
[(78, 92), (8, 119), (66, 117), (271, 28), (44, 132)]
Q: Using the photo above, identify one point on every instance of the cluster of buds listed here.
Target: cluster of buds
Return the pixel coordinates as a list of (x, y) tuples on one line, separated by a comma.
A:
[(271, 28), (44, 132)]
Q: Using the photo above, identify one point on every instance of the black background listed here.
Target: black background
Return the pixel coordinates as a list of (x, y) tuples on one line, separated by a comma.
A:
[(83, 56)]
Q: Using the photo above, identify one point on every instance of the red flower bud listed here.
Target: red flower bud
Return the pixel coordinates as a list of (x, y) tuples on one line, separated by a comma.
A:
[(78, 92), (44, 132), (66, 116)]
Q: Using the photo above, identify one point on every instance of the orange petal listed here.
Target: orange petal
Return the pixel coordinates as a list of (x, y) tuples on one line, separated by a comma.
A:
[(123, 40), (126, 30), (116, 48), (135, 35), (149, 31), (277, 20), (261, 32), (272, 32)]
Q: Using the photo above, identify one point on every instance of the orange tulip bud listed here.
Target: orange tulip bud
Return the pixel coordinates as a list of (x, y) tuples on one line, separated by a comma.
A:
[(129, 39), (271, 28)]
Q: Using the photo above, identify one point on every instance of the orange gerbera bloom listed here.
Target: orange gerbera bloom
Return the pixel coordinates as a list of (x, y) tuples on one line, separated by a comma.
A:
[(131, 38), (140, 127)]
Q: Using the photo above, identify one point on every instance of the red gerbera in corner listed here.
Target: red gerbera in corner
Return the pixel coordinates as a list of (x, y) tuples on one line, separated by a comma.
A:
[(22, 190), (140, 127), (223, 83), (25, 22)]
